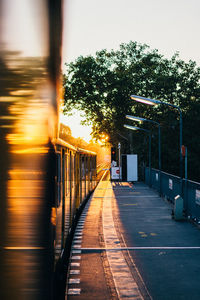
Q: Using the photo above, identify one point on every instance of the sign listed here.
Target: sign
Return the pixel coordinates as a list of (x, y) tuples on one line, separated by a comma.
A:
[(113, 163), (197, 197), (115, 173), (170, 184), (183, 148), (156, 176)]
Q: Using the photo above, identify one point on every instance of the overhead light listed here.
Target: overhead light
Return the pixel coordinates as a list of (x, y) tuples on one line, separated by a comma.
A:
[(145, 100)]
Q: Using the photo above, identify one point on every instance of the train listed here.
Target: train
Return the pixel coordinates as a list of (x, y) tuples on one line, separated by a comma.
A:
[(76, 178), (44, 180)]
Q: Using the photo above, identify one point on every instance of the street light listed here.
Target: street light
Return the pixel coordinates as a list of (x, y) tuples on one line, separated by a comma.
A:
[(149, 133), (138, 119), (145, 100), (155, 102)]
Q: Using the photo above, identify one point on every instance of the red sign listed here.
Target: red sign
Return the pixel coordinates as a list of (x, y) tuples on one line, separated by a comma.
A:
[(117, 171), (183, 150)]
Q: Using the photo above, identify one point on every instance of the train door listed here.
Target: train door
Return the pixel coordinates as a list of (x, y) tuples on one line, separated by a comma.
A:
[(83, 181), (88, 175), (85, 170), (72, 194), (63, 198), (67, 192), (93, 171), (80, 177), (77, 179), (58, 236), (58, 179), (70, 184), (74, 185)]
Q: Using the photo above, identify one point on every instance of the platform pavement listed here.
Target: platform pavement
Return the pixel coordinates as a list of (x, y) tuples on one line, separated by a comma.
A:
[(149, 255)]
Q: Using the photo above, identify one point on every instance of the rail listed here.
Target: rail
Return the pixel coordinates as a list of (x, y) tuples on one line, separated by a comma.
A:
[(170, 186)]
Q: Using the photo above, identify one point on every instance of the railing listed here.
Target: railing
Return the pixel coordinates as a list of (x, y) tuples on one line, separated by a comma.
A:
[(170, 186)]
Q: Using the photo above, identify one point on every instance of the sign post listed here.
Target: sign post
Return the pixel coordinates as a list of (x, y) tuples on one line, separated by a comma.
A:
[(119, 148), (184, 154), (185, 163)]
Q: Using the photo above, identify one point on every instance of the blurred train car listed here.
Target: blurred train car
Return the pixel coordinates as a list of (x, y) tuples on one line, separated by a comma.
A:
[(75, 180), (43, 180)]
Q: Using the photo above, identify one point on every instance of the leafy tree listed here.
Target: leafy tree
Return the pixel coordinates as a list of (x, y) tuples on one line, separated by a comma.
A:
[(101, 87)]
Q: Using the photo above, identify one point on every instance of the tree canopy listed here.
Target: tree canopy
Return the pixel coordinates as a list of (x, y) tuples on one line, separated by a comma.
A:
[(101, 86)]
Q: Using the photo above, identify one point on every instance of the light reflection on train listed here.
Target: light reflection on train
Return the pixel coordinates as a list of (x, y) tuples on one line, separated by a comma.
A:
[(76, 179)]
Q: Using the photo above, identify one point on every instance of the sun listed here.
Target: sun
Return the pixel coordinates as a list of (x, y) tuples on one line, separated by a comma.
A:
[(74, 122)]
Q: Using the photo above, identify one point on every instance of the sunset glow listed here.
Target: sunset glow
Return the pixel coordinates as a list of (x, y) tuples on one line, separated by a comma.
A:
[(74, 122)]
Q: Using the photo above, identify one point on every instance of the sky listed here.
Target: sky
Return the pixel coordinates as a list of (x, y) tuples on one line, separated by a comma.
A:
[(93, 25), (166, 25)]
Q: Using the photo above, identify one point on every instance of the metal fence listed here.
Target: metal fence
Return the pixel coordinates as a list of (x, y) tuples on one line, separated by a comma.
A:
[(170, 186)]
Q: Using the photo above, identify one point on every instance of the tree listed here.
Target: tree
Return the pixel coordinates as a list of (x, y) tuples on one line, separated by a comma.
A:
[(101, 87)]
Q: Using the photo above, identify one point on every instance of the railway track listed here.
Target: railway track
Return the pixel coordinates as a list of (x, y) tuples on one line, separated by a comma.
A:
[(102, 171)]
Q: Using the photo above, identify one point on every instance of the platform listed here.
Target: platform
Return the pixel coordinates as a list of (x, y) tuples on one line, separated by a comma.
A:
[(127, 246)]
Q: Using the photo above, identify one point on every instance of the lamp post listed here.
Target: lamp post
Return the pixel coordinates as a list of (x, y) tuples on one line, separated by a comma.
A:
[(119, 153), (138, 119), (149, 133), (155, 102)]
